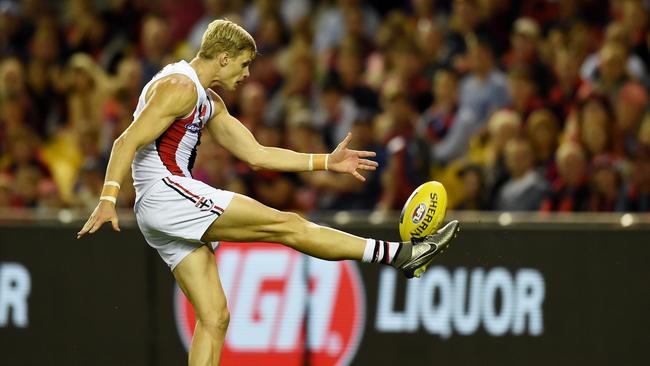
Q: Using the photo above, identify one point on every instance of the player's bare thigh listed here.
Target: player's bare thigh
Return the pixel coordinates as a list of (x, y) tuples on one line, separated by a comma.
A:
[(197, 276), (246, 219)]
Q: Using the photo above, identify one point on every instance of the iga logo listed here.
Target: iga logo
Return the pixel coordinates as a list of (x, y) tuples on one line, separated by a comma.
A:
[(267, 286), (418, 213)]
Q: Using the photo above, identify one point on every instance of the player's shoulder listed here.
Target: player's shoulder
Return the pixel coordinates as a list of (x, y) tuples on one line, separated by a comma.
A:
[(176, 84), (175, 90)]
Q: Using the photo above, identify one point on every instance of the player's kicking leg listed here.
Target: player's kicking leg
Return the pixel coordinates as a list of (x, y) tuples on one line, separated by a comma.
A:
[(248, 220), (198, 278)]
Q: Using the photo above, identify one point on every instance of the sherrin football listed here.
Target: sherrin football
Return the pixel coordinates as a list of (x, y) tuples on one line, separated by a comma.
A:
[(424, 211)]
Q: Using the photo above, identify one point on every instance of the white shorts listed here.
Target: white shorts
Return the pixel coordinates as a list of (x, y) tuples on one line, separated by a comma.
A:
[(174, 214)]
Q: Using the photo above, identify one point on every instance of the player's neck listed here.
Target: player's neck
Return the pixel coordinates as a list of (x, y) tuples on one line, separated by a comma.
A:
[(202, 70)]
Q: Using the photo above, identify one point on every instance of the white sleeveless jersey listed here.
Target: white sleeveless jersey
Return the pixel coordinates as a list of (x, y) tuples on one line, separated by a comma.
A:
[(174, 151)]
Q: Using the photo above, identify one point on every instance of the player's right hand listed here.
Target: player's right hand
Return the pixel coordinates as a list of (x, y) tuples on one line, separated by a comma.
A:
[(105, 211)]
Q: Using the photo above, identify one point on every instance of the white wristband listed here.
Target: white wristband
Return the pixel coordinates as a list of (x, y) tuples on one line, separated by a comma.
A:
[(327, 156), (108, 198), (310, 166), (112, 183)]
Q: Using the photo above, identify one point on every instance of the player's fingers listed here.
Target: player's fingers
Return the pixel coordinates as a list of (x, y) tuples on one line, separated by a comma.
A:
[(86, 227), (116, 223), (365, 154), (367, 167), (345, 141), (358, 176), (368, 162), (98, 223)]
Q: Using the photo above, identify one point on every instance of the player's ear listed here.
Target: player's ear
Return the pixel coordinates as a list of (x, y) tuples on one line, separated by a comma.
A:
[(224, 59)]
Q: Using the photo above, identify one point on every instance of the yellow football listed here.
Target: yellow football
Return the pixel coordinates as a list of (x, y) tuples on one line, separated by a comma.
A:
[(424, 211)]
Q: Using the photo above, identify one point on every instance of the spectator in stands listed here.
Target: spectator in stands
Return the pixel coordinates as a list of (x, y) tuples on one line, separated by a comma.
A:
[(385, 65), (636, 195), (89, 184), (23, 154), (336, 112), (14, 30), (563, 94), (523, 91), (612, 69), (605, 184), (393, 30), (436, 121), (355, 30), (474, 192), (630, 106), (596, 124), (252, 104), (26, 180), (615, 33), (272, 34), (292, 12), (6, 194), (349, 68), (464, 20), (429, 37), (525, 188), (644, 131), (155, 45), (407, 66), (330, 24), (635, 21), (482, 92), (17, 108), (45, 78), (570, 191), (87, 93), (298, 90), (543, 130), (87, 32), (488, 149), (525, 42)]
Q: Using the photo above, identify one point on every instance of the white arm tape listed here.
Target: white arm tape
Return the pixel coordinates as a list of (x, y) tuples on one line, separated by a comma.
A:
[(108, 198), (310, 167), (112, 183)]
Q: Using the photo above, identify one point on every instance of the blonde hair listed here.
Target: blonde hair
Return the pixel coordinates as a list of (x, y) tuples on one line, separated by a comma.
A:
[(501, 118), (225, 36)]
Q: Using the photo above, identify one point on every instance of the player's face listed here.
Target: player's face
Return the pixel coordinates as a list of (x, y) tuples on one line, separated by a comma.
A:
[(235, 71)]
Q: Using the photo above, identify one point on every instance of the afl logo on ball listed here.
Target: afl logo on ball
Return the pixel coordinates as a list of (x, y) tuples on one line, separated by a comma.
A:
[(284, 306), (418, 213)]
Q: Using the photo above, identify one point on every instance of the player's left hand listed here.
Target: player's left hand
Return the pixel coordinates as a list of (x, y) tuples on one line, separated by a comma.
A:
[(344, 160)]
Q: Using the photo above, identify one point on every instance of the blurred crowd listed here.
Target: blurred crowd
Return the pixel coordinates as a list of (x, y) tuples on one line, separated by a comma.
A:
[(512, 104)]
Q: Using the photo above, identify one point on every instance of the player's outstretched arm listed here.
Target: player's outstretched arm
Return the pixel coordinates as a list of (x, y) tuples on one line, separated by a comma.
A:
[(168, 99), (236, 138)]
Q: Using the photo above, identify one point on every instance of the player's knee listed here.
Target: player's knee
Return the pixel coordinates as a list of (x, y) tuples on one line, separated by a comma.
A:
[(215, 320)]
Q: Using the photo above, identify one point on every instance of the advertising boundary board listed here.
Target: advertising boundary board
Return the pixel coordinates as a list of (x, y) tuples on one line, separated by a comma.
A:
[(566, 295)]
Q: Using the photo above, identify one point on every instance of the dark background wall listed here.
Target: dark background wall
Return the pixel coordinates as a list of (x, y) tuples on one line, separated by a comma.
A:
[(108, 299)]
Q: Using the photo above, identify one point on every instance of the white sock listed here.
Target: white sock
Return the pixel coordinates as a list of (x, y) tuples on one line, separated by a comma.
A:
[(375, 251)]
